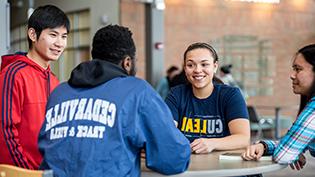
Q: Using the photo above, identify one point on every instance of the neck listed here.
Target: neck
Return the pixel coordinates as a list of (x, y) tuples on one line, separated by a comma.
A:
[(32, 55), (204, 92)]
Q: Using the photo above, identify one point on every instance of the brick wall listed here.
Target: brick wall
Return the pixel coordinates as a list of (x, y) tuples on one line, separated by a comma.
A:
[(288, 26)]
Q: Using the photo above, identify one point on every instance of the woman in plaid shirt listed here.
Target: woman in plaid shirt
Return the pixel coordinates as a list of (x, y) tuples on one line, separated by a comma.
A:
[(301, 135)]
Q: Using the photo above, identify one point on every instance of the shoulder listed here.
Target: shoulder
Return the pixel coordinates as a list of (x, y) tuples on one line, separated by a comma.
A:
[(15, 72), (179, 94), (181, 89), (14, 68), (137, 83), (229, 94), (226, 89), (60, 89), (133, 85), (312, 102)]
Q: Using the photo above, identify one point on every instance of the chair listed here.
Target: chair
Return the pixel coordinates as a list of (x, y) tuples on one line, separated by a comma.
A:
[(13, 171), (257, 124)]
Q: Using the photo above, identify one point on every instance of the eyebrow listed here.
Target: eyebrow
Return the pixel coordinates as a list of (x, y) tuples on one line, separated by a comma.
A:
[(296, 66), (54, 31)]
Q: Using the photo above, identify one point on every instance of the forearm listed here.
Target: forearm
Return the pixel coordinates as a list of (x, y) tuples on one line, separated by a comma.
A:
[(235, 141)]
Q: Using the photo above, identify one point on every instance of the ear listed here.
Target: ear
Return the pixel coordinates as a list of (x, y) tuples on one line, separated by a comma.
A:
[(216, 66), (32, 34), (127, 64)]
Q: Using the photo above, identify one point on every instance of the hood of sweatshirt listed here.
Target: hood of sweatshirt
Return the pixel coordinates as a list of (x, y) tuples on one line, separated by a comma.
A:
[(6, 60), (95, 72)]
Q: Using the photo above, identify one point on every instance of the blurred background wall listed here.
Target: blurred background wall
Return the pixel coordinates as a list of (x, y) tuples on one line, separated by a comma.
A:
[(258, 39)]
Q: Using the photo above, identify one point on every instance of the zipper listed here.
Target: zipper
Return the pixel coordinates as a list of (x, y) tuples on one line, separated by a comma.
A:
[(48, 84)]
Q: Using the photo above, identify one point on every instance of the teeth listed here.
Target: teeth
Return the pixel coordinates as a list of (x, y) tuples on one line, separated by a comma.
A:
[(55, 52), (198, 77)]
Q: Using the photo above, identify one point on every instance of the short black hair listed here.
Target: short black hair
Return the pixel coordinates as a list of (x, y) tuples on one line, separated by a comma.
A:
[(113, 43), (226, 69), (47, 16), (172, 69)]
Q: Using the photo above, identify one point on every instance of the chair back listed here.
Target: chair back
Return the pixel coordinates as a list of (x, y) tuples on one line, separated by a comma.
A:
[(253, 116), (13, 171)]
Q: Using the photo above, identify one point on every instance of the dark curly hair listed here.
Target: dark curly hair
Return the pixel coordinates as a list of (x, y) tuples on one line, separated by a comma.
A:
[(113, 43)]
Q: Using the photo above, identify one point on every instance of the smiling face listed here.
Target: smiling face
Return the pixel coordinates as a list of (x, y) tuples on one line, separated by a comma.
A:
[(48, 46), (302, 76), (200, 67)]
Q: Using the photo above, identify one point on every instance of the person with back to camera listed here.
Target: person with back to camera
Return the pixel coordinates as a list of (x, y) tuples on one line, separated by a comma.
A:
[(26, 82), (99, 121), (212, 116), (164, 84), (301, 136), (226, 76)]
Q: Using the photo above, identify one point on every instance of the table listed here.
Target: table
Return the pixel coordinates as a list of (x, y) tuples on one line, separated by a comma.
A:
[(209, 165)]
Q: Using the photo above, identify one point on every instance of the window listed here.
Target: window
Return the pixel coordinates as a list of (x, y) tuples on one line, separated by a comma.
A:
[(252, 60), (78, 49)]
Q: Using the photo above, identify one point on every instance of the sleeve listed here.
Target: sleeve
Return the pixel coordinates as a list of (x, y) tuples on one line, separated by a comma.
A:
[(298, 138), (270, 146), (11, 112), (235, 106), (312, 148), (167, 150), (173, 103)]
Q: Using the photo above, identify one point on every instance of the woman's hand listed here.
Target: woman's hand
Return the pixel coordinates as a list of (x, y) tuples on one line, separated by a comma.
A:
[(253, 152), (299, 164), (202, 146)]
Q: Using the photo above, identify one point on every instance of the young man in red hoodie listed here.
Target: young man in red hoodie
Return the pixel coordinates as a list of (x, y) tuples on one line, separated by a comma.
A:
[(25, 84)]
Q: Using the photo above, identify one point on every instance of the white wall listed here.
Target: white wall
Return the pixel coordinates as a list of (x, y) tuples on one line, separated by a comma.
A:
[(4, 27)]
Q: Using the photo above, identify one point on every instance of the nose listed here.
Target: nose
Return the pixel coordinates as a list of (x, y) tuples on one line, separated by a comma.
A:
[(292, 75), (60, 42), (197, 68)]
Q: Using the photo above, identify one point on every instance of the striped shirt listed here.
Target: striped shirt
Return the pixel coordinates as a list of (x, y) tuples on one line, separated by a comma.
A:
[(299, 138)]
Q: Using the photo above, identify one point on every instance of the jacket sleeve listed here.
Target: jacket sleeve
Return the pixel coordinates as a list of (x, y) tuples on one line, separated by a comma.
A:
[(11, 108), (167, 150), (299, 137)]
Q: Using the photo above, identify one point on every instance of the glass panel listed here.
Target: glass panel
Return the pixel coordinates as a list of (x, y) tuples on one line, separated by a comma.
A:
[(252, 61), (70, 40), (23, 32), (84, 19), (68, 64), (84, 38)]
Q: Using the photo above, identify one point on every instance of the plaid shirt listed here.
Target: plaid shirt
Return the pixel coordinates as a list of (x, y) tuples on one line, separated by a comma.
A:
[(299, 138)]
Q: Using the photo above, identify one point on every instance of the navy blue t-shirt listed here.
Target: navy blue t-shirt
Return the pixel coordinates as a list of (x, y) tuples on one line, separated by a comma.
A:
[(209, 117)]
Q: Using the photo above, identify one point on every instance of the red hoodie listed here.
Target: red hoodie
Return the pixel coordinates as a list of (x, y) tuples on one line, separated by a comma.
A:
[(24, 89)]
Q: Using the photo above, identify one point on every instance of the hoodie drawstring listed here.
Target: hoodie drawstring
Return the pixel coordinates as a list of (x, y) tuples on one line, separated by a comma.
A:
[(48, 84)]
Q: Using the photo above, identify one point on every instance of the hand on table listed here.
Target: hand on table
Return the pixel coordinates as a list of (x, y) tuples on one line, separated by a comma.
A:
[(299, 164), (202, 146), (253, 152)]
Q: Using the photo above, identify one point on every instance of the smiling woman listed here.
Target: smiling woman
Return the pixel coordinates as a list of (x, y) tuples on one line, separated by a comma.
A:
[(212, 116)]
